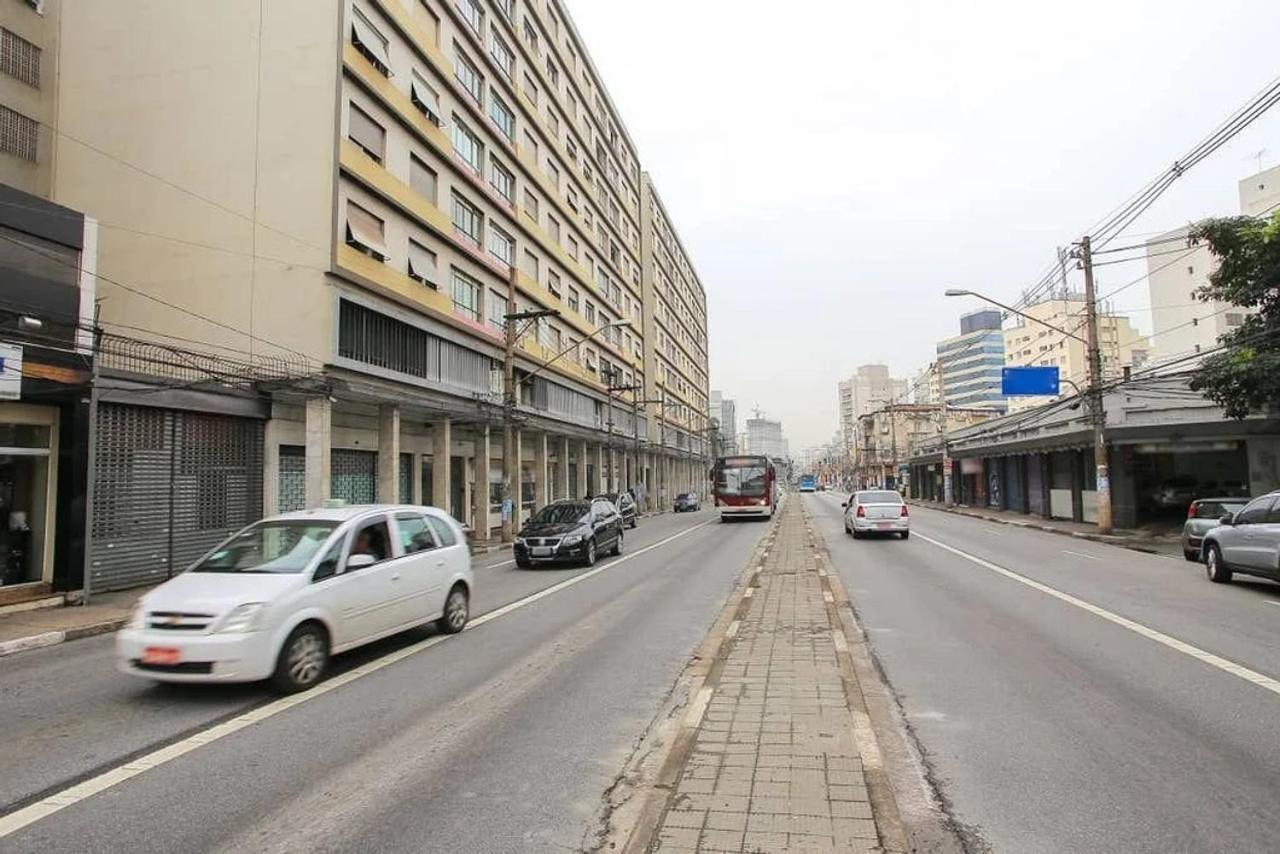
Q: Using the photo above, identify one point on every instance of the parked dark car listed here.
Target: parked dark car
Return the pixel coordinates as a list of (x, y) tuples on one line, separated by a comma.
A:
[(1173, 493), (687, 501), (626, 507), (570, 531), (1203, 515)]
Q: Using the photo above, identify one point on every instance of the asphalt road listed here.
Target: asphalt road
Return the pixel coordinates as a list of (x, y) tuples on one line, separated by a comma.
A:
[(503, 738), (1052, 727)]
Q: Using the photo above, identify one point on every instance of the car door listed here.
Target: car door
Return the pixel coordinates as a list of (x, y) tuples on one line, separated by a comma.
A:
[(605, 524), (369, 593), (1267, 540), (452, 553), (1237, 540), (423, 572)]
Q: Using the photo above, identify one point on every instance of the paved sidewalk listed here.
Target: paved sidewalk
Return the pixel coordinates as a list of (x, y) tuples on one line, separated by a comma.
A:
[(24, 630), (775, 763), (1137, 540)]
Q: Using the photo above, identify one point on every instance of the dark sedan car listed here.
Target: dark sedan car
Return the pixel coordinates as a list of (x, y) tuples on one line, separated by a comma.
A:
[(570, 531), (626, 506), (687, 501)]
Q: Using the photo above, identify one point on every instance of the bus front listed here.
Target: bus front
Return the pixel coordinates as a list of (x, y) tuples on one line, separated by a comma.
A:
[(744, 486)]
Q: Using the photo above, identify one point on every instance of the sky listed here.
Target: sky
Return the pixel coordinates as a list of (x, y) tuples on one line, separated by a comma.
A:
[(832, 167)]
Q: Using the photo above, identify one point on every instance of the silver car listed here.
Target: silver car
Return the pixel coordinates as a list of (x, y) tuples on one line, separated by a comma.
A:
[(1247, 542), (876, 511), (1203, 515)]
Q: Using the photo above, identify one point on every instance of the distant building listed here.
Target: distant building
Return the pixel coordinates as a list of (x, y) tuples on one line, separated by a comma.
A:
[(765, 437), (1034, 344), (972, 362), (725, 411), (926, 388), (870, 388)]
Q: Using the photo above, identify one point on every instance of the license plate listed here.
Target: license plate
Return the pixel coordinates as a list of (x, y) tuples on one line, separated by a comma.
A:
[(884, 525), (540, 551), (161, 655)]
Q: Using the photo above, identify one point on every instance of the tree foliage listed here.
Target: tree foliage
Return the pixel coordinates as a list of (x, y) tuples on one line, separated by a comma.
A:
[(1244, 376)]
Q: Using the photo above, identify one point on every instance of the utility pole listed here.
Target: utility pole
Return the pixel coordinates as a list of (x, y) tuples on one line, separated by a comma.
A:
[(1095, 391)]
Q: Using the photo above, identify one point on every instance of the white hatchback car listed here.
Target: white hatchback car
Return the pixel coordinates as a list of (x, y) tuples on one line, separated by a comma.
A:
[(876, 511), (278, 598)]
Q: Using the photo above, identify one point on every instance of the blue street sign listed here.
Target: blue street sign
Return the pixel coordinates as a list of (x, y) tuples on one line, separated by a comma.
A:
[(1018, 382)]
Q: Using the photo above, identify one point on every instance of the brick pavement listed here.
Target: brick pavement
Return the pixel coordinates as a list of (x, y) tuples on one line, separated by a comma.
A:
[(775, 764)]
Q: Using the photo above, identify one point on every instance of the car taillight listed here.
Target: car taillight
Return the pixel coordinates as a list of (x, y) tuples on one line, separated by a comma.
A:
[(904, 513), (1191, 511), (861, 512)]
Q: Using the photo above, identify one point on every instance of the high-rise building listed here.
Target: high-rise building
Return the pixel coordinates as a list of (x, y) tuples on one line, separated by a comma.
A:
[(972, 361), (725, 411), (867, 390), (925, 386), (764, 436), (1029, 343), (29, 94), (323, 211)]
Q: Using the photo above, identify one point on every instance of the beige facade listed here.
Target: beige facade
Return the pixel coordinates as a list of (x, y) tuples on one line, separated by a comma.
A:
[(889, 436), (28, 93), (328, 205), (1031, 344)]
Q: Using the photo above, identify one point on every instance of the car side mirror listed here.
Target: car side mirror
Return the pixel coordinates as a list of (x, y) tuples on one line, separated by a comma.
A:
[(844, 505), (360, 561), (1227, 520)]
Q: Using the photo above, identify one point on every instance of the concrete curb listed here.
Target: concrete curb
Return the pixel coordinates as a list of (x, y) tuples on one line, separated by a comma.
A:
[(1109, 539), (45, 639)]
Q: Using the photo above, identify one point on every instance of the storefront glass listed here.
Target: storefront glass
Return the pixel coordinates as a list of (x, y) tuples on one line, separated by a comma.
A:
[(24, 502)]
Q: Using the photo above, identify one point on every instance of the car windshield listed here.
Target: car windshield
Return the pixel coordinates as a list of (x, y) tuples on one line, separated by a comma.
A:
[(1218, 509), (283, 546), (561, 514), (879, 497), (611, 497), (684, 496), (748, 480)]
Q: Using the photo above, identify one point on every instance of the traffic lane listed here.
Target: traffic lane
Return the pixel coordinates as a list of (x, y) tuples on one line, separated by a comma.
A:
[(1174, 597), (1051, 729), (502, 557), (500, 739), (69, 713)]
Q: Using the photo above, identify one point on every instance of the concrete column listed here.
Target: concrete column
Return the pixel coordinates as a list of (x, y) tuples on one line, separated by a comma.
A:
[(580, 491), (389, 455), (441, 464), (541, 482), (517, 481), (271, 468), (319, 435), (480, 483), (562, 489), (415, 479), (602, 484)]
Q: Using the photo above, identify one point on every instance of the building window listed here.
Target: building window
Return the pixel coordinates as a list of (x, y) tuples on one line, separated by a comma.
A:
[(529, 263), (472, 14), (572, 247), (590, 314), (553, 173), (467, 75), (501, 245), (531, 144), (19, 58), (467, 220), (501, 180), (530, 88), (501, 53), (504, 6), (366, 133), (1234, 318), (466, 296), (553, 73), (366, 39), (423, 180), (366, 232), (553, 282), (502, 116), (531, 204), (553, 122), (425, 98), (553, 228), (422, 264), (467, 145), (497, 311), (575, 300), (530, 34)]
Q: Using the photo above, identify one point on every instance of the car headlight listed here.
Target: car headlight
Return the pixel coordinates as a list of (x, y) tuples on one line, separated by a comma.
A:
[(137, 616), (243, 618), (519, 541), (571, 540)]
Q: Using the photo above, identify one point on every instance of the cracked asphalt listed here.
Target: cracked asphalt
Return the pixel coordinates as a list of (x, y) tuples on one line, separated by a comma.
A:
[(504, 738)]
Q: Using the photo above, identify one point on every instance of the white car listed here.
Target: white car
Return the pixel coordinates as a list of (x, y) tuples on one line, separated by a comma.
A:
[(278, 598), (876, 511)]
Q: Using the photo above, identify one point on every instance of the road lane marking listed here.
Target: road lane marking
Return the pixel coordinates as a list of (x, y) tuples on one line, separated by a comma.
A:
[(45, 807), (1271, 602), (1080, 554), (1223, 664)]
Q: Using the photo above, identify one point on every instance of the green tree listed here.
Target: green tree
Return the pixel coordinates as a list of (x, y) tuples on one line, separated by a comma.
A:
[(1244, 377)]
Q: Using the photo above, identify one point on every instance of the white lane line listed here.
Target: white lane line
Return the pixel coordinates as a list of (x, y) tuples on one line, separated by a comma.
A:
[(1223, 664), (1270, 602), (497, 565), (991, 531), (15, 821), (1080, 554)]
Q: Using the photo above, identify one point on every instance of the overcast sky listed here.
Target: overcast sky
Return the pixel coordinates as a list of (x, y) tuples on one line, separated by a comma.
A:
[(832, 167)]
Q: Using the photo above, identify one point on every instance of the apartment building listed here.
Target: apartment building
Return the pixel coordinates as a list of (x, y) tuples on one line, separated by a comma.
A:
[(926, 385), (971, 362), (28, 93), (765, 436), (868, 389), (724, 411), (316, 216), (1032, 343)]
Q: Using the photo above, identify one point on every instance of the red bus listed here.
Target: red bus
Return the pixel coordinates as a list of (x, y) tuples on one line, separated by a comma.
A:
[(745, 486)]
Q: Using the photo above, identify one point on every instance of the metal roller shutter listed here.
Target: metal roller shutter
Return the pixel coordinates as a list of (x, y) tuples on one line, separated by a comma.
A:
[(354, 476)]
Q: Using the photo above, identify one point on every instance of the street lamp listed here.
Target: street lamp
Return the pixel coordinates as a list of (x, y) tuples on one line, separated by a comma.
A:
[(958, 292)]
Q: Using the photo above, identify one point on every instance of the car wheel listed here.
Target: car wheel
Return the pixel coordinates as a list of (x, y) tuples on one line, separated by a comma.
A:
[(303, 659), (457, 608), (591, 552), (523, 563), (906, 534), (857, 535), (1194, 557), (634, 522), (1214, 566), (617, 546)]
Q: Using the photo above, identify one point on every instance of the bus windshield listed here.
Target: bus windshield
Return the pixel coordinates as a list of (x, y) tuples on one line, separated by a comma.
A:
[(749, 480)]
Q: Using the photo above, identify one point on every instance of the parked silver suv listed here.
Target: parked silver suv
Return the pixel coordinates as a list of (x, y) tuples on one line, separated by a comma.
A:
[(1247, 542)]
